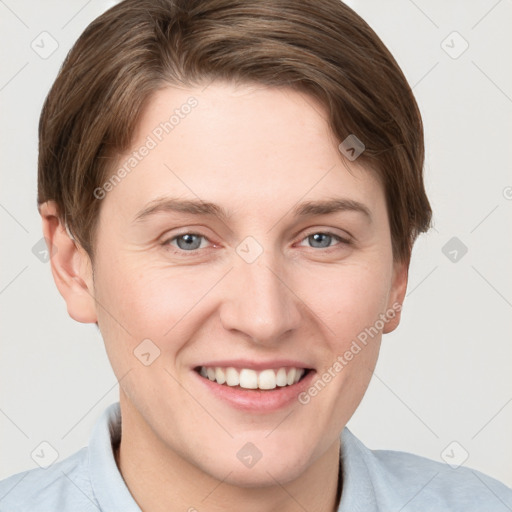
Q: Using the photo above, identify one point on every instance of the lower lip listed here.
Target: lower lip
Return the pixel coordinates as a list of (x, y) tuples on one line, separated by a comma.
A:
[(257, 400)]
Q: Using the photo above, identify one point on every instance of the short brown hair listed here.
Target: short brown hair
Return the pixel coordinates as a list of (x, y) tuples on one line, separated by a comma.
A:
[(321, 47)]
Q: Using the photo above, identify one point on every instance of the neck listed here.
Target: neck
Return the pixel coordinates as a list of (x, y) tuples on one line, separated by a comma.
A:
[(161, 480)]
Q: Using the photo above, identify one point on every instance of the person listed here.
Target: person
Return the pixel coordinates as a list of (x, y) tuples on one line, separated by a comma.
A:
[(231, 192)]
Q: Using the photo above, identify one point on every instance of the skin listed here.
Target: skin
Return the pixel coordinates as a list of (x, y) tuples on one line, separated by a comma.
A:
[(256, 151)]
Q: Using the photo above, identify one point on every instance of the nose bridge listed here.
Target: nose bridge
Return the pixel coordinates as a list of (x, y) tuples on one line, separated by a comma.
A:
[(260, 304)]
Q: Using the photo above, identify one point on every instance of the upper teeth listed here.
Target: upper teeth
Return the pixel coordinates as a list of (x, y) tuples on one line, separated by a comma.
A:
[(250, 379)]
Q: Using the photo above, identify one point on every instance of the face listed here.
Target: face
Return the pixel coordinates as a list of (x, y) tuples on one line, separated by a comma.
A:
[(273, 281)]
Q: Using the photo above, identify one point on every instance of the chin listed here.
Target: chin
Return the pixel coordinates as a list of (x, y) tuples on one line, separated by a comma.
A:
[(261, 475), (274, 465)]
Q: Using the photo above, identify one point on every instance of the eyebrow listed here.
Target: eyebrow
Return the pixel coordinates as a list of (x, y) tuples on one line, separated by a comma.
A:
[(198, 207)]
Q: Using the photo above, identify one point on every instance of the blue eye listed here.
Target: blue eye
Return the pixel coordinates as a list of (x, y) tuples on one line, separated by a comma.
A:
[(188, 241), (323, 239)]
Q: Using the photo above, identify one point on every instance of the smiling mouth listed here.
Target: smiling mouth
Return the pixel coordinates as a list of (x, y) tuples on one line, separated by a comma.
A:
[(246, 378)]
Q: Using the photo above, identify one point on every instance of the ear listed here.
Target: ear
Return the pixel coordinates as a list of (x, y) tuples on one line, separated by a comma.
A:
[(397, 294), (71, 266)]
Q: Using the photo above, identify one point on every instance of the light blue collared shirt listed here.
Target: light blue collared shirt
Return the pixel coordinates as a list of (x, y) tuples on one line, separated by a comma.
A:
[(373, 481)]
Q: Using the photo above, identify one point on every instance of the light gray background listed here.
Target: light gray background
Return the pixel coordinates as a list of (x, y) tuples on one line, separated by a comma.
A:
[(443, 376)]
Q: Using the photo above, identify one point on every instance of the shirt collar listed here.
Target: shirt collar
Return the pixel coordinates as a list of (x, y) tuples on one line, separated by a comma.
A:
[(106, 480), (357, 493)]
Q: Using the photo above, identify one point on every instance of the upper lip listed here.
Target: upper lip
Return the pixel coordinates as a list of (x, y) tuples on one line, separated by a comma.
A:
[(255, 365)]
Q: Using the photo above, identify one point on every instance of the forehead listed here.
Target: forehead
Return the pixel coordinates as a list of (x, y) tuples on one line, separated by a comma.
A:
[(240, 146)]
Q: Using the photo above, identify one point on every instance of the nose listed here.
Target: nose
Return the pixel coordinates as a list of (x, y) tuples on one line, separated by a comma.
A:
[(261, 303)]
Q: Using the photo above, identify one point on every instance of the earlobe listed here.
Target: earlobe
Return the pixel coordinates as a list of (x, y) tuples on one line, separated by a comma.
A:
[(397, 295), (70, 264)]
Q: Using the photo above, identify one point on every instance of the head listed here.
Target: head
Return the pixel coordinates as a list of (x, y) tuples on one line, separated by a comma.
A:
[(233, 183)]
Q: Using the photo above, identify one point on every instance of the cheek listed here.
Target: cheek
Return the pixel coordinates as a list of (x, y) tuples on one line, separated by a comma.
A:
[(147, 302), (349, 298)]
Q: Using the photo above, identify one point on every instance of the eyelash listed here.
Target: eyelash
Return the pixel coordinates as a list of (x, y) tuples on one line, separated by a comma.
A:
[(344, 241)]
